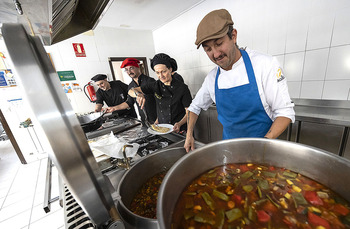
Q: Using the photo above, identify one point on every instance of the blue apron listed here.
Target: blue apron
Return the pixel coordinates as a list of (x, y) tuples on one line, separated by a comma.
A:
[(240, 109)]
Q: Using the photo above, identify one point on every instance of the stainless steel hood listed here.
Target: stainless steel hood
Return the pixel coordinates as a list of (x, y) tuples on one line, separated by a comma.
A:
[(54, 20)]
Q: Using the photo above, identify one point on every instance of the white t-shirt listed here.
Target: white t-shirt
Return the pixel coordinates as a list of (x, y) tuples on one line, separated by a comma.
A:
[(272, 85)]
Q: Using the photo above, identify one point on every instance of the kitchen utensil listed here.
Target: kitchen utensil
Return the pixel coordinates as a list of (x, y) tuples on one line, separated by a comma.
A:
[(91, 121), (327, 168), (133, 180), (146, 118)]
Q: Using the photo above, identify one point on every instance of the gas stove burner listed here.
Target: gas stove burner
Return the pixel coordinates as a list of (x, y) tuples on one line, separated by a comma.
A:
[(151, 143)]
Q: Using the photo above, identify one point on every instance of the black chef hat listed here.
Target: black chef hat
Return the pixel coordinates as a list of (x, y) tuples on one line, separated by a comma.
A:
[(162, 58), (99, 77)]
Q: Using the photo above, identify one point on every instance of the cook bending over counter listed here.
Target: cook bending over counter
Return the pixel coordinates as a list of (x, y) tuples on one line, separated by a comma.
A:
[(172, 96), (113, 93)]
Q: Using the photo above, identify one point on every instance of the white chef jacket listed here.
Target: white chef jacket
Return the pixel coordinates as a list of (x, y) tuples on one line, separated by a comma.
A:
[(272, 85)]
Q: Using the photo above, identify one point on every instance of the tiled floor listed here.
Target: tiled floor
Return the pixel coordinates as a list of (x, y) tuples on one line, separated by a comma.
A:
[(22, 192)]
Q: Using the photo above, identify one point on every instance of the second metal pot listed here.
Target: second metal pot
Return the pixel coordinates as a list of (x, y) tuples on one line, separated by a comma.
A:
[(134, 178)]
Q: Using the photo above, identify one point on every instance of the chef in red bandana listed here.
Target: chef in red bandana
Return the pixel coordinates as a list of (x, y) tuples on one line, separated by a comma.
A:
[(132, 68)]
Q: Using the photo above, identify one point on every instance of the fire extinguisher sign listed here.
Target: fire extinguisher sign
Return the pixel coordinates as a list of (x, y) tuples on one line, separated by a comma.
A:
[(79, 50)]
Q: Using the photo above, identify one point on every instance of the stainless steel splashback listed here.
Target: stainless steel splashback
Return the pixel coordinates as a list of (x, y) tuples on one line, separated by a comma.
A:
[(71, 153)]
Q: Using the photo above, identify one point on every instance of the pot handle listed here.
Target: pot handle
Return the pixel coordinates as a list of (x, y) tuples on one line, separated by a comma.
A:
[(117, 222)]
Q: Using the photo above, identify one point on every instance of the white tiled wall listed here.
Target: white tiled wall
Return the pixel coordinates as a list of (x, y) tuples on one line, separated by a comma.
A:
[(99, 45), (310, 38)]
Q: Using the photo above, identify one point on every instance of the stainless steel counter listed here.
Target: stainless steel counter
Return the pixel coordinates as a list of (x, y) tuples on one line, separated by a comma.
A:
[(324, 119), (331, 112)]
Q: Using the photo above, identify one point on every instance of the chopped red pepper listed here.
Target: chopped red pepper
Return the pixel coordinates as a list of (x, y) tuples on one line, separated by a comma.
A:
[(271, 168), (237, 199), (342, 210), (315, 220), (244, 168), (263, 217), (313, 198)]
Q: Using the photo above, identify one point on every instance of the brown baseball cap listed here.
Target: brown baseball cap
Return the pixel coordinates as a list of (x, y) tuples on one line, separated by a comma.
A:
[(214, 25)]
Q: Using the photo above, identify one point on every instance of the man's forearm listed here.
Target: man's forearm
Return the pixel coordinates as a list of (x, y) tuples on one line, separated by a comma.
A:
[(121, 106), (277, 127), (191, 122), (98, 107), (184, 119), (133, 92)]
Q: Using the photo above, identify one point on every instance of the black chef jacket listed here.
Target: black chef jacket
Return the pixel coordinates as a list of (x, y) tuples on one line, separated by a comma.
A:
[(171, 100), (116, 95), (178, 77), (150, 104)]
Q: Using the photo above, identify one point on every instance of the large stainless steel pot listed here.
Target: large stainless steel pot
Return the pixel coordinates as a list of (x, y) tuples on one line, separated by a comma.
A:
[(134, 178), (326, 168)]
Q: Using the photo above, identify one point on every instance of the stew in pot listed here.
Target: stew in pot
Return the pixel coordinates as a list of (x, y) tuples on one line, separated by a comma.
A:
[(257, 196), (145, 201)]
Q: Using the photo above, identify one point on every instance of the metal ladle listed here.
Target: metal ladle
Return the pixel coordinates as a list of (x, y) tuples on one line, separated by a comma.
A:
[(146, 119)]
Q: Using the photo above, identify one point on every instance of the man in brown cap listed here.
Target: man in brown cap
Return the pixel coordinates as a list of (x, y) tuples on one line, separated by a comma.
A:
[(248, 88)]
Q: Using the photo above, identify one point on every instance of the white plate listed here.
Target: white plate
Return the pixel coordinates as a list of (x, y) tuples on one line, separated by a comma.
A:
[(151, 131)]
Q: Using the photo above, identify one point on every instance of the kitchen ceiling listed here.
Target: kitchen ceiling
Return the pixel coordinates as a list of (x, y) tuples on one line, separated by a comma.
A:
[(57, 20), (127, 14), (144, 14)]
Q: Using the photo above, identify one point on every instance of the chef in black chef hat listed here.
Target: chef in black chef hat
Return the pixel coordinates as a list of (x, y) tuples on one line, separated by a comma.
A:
[(113, 93), (172, 96)]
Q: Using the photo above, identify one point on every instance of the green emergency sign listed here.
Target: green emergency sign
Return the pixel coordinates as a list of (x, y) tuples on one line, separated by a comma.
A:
[(66, 75)]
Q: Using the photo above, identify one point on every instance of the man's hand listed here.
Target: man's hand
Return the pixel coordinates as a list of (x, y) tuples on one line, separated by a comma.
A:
[(189, 143), (141, 100), (110, 109), (176, 127)]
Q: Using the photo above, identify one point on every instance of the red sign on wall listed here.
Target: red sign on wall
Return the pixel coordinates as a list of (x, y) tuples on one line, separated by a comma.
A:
[(79, 50)]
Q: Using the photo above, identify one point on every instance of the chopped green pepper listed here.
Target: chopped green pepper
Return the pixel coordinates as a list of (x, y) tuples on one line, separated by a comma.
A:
[(233, 214), (208, 200), (220, 195), (298, 199), (188, 214), (274, 203), (263, 184), (251, 214), (269, 174), (237, 181), (220, 219), (247, 174), (191, 193), (259, 192), (204, 218), (258, 202), (247, 188), (290, 174)]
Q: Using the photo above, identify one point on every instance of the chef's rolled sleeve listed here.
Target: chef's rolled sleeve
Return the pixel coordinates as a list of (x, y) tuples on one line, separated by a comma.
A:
[(202, 100)]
